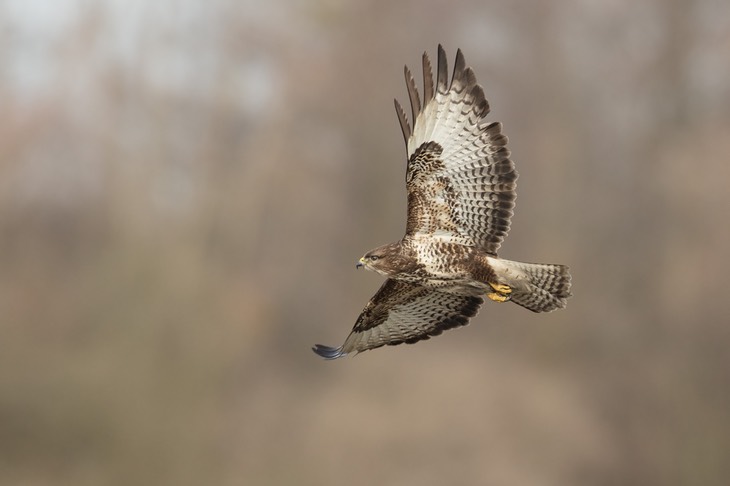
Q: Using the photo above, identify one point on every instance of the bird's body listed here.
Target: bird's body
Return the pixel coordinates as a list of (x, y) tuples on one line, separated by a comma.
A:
[(465, 270), (461, 192)]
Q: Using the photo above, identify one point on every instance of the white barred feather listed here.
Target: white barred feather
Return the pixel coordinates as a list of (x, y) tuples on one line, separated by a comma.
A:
[(473, 159)]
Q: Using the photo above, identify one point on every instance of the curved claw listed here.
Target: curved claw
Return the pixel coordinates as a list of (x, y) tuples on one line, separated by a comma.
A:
[(502, 289), (498, 297), (501, 292)]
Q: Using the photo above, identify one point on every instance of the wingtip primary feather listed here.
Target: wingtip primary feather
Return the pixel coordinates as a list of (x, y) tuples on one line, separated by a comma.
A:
[(403, 120), (328, 352), (412, 94), (457, 78), (443, 71), (427, 79)]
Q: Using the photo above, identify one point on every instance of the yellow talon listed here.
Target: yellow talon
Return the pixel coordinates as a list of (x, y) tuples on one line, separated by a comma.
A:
[(502, 289), (498, 297), (501, 292)]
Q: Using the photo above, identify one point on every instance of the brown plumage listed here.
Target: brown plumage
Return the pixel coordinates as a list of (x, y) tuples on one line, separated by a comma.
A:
[(461, 194)]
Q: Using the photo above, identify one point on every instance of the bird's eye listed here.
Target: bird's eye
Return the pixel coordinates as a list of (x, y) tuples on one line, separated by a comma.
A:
[(374, 257)]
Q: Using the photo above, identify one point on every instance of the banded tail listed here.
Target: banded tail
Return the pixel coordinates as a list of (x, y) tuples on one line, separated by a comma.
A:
[(539, 287)]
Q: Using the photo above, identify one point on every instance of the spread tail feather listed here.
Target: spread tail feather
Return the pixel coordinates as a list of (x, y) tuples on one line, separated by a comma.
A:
[(542, 287)]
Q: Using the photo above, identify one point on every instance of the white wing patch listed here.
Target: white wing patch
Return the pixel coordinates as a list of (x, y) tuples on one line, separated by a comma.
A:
[(467, 188)]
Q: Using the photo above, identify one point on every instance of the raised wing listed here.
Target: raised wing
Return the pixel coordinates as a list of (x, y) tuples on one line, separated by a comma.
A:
[(460, 180), (402, 312)]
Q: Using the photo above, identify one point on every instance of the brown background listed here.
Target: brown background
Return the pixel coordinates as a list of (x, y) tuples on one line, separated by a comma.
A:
[(186, 186)]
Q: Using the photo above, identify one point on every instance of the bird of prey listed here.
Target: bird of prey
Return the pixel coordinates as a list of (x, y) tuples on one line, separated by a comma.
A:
[(461, 194)]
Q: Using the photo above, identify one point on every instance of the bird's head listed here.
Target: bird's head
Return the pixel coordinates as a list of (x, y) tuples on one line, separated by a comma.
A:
[(380, 259)]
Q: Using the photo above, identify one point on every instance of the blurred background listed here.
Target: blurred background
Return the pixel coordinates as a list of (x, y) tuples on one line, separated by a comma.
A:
[(186, 186)]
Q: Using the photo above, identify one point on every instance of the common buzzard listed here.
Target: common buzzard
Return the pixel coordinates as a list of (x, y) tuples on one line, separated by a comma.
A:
[(461, 193)]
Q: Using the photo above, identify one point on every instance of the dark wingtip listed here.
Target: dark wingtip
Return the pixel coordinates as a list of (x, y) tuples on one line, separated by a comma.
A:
[(459, 70), (460, 58), (328, 352)]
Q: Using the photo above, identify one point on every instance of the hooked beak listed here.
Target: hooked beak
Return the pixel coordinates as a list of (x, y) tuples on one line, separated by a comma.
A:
[(360, 263)]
